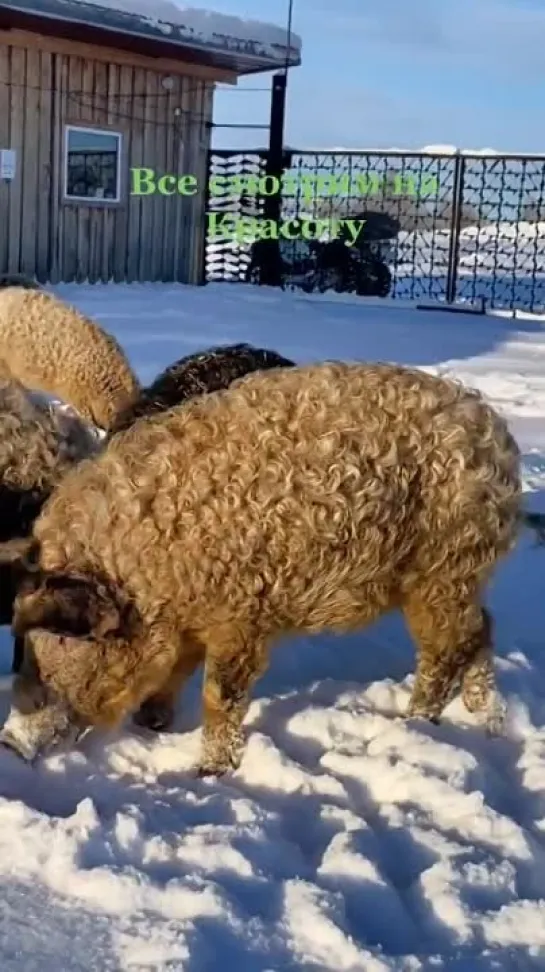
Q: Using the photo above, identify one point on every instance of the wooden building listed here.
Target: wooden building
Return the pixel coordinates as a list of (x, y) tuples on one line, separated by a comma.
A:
[(89, 93)]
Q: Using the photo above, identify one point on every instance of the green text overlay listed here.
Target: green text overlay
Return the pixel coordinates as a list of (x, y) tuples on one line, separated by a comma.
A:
[(308, 186)]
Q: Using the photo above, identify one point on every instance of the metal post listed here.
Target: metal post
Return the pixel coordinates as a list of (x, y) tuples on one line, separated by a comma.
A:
[(271, 272), (455, 227)]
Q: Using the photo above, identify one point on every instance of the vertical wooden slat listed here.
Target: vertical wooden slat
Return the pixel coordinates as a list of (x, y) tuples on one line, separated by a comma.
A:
[(112, 120), (178, 168), (184, 242), (17, 121), (94, 244), (5, 72), (124, 109), (29, 163), (101, 94), (147, 243), (94, 235), (82, 243), (56, 157), (43, 206), (137, 159), (171, 161), (108, 235), (82, 107), (87, 100), (193, 133), (72, 73), (159, 202), (87, 115), (98, 215), (77, 216), (66, 247), (183, 166)]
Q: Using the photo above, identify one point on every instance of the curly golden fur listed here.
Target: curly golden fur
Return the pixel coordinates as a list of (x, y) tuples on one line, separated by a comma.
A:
[(51, 347), (298, 500), (198, 374), (38, 445)]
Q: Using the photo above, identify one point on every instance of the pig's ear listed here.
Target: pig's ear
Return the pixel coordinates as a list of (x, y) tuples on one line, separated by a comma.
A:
[(19, 550), (21, 557), (74, 606)]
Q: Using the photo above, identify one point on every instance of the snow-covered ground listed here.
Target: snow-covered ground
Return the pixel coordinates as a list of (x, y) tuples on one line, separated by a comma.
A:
[(350, 840)]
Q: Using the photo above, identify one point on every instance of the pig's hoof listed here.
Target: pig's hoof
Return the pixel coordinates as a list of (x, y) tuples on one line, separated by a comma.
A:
[(7, 741)]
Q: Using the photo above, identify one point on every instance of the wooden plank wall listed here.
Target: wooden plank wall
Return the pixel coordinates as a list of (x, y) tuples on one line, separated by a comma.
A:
[(146, 238)]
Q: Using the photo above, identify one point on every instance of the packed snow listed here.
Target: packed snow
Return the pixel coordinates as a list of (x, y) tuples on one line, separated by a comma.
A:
[(206, 26), (350, 839)]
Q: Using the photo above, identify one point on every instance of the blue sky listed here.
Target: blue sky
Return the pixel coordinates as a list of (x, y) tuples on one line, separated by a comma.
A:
[(401, 73)]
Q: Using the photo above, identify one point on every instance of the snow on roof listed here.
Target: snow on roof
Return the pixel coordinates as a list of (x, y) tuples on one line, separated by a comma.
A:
[(179, 25), (204, 25)]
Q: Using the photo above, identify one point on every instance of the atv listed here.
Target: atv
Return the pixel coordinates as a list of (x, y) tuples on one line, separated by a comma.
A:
[(321, 265)]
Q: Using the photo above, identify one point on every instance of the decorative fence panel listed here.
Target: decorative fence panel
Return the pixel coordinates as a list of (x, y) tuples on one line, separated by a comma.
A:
[(469, 227), (501, 249), (233, 190)]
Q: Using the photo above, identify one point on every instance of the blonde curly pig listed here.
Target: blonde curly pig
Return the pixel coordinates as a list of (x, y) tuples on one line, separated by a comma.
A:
[(38, 446), (297, 501), (53, 348)]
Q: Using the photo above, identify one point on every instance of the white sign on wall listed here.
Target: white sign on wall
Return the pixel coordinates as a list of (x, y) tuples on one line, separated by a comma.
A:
[(8, 162)]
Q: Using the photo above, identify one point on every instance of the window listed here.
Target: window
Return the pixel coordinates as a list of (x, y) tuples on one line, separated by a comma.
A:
[(92, 169)]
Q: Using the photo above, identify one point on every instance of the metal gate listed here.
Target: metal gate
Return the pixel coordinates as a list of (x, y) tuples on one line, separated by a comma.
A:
[(472, 228)]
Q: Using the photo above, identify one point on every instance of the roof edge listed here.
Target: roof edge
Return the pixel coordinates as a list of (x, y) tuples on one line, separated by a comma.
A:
[(256, 55)]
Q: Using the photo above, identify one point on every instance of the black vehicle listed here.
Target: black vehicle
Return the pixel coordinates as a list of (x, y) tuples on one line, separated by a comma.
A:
[(332, 265)]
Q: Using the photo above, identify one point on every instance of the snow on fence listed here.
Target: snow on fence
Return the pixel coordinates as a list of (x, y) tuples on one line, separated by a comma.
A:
[(470, 226)]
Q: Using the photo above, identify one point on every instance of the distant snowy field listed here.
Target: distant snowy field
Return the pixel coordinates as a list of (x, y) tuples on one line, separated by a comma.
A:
[(350, 840)]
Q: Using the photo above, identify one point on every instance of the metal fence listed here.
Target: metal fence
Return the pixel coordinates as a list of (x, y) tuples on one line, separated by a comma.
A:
[(472, 227)]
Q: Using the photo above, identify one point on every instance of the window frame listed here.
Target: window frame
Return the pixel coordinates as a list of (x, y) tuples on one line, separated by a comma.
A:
[(92, 200)]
